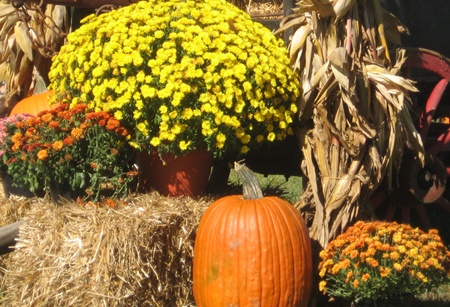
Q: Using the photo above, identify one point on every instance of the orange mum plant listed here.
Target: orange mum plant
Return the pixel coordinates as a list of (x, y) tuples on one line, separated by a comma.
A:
[(74, 150), (379, 260)]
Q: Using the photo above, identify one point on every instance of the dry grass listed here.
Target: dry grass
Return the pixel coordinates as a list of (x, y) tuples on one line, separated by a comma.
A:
[(259, 7), (139, 254)]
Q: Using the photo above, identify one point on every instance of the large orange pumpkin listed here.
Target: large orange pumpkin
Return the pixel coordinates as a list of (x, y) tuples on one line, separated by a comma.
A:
[(252, 250), (34, 104)]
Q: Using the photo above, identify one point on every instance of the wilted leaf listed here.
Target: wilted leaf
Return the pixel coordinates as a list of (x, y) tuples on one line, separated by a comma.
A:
[(299, 38), (339, 65), (23, 40)]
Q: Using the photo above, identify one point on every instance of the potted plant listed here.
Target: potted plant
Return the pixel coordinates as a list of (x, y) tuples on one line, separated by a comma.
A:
[(182, 76), (70, 152), (374, 261), (8, 187)]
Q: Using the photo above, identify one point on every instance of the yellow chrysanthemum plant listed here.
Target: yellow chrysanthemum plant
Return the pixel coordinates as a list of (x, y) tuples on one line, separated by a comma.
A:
[(182, 75), (381, 260)]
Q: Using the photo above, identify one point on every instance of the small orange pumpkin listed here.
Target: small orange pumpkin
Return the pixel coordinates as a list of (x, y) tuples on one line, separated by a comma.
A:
[(252, 250), (34, 104)]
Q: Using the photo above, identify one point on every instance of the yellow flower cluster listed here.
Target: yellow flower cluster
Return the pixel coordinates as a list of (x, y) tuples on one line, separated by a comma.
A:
[(373, 260), (181, 75)]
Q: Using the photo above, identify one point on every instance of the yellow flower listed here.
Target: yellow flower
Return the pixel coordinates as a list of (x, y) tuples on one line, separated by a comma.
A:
[(220, 140), (163, 109), (142, 127), (397, 266), (397, 237), (184, 145), (176, 129), (182, 59), (118, 114), (322, 286)]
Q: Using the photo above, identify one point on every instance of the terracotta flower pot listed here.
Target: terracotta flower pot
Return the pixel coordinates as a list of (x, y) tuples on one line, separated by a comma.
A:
[(175, 176)]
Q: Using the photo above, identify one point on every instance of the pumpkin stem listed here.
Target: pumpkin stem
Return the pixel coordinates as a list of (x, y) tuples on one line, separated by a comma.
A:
[(250, 185)]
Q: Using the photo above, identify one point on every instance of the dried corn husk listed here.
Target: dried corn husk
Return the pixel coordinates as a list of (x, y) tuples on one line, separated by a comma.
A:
[(29, 36), (354, 117)]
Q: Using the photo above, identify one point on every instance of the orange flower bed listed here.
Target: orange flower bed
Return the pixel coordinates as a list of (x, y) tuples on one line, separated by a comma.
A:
[(378, 260)]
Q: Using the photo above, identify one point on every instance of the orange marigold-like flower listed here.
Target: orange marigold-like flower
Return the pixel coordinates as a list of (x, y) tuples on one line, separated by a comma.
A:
[(372, 262), (69, 140), (385, 247), (47, 117), (122, 131), (323, 286), (32, 121), (111, 203), (15, 147), (384, 271), (16, 137), (112, 124), (58, 145), (354, 254), (79, 108), (19, 124), (77, 133), (84, 126), (349, 276), (397, 266), (42, 154), (394, 256), (53, 124)]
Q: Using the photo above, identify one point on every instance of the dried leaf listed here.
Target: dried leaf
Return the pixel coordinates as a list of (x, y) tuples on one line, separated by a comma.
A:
[(340, 66), (299, 38), (23, 40), (341, 8), (6, 10), (289, 22), (323, 7)]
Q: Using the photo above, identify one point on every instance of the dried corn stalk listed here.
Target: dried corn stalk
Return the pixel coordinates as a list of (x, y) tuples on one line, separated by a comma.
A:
[(29, 35), (355, 116)]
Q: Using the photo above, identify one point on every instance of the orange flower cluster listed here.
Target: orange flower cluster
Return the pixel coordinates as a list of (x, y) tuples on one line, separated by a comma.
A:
[(373, 260), (74, 148)]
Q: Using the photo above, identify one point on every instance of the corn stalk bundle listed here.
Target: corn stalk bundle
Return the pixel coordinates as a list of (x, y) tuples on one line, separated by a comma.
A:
[(29, 35), (355, 119)]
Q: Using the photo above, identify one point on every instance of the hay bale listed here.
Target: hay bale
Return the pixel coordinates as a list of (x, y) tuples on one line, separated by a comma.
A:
[(11, 210), (136, 255), (14, 208), (257, 7)]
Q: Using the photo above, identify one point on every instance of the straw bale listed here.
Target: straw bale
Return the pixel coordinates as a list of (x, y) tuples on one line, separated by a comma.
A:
[(11, 210), (259, 7), (139, 254), (14, 208)]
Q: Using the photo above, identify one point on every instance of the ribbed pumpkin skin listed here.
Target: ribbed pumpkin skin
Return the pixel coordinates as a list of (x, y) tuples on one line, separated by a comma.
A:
[(252, 252), (34, 104)]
